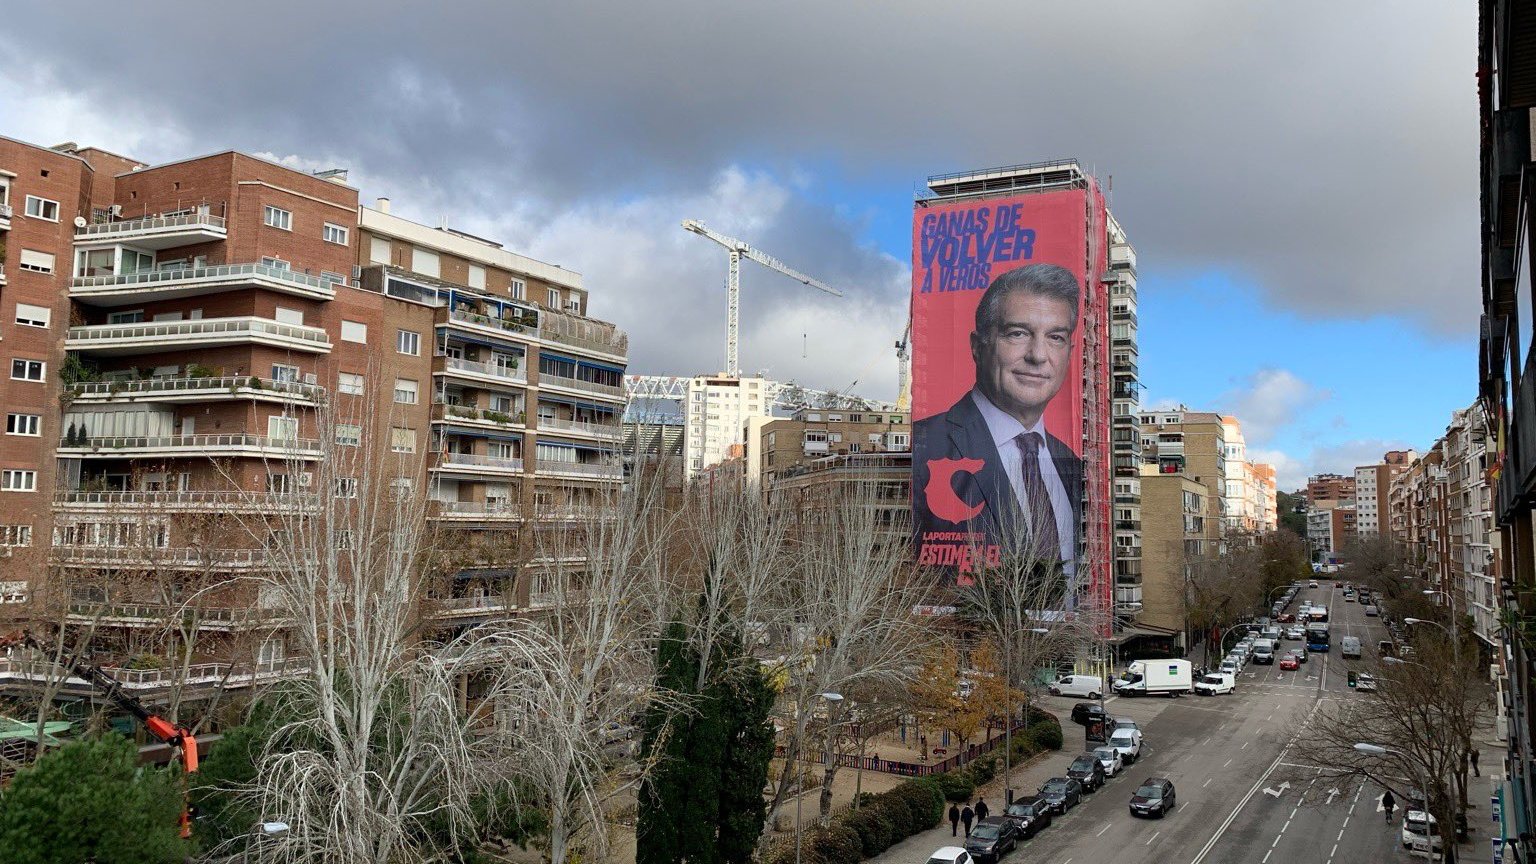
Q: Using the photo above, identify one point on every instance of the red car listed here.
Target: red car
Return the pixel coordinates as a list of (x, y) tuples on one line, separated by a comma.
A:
[(1287, 618), (1288, 663)]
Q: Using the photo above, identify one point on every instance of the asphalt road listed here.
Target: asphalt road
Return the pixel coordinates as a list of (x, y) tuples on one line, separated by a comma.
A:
[(1231, 760)]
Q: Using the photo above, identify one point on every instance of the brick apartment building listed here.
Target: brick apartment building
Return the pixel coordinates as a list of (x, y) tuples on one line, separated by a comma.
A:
[(172, 332)]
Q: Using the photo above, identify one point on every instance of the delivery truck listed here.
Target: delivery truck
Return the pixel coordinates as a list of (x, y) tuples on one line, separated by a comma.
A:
[(1144, 677)]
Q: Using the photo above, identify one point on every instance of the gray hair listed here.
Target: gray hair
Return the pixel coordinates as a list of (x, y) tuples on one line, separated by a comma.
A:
[(1046, 280)]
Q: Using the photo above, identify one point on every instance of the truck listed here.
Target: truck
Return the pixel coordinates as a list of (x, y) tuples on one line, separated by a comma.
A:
[(1349, 647), (1144, 677)]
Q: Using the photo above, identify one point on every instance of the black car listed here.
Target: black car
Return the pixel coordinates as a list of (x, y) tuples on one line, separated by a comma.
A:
[(1030, 813), (992, 837), (1087, 770), (1085, 712), (1153, 798), (1062, 793)]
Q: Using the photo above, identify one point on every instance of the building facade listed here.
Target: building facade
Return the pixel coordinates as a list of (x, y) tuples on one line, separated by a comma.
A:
[(1179, 529), (1125, 435), (781, 447)]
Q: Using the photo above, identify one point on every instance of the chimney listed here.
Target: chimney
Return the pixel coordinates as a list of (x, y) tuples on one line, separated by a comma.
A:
[(383, 205)]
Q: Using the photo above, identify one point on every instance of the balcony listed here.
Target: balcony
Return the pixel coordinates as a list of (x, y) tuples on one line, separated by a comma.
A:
[(583, 470), (494, 373), (601, 431), (462, 607), (193, 446), (229, 675), (586, 388), (817, 447), (5, 217), (522, 329), (158, 615), (172, 558), (128, 288), (74, 501), (480, 418), (2, 273), (1122, 256), (596, 337), (157, 232), (475, 511), (151, 337), (198, 390), (474, 463)]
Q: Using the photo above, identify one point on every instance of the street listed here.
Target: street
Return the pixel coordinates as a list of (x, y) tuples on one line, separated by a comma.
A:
[(1231, 759)]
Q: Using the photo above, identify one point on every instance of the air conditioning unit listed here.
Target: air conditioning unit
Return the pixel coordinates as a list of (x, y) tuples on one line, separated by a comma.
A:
[(117, 211), (311, 378), (306, 479), (357, 271)]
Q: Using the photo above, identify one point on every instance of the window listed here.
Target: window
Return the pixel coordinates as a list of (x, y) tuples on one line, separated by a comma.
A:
[(554, 299), (285, 374), (354, 331), (405, 391), (283, 428), (15, 535), (348, 435), (519, 289), (333, 233), (349, 384), (275, 263), (378, 250), (277, 217), (27, 370), (402, 440), (476, 276), (37, 262), (133, 316), (426, 263), (32, 316), (23, 424), (42, 208), (18, 481), (344, 537), (346, 487), (331, 276), (408, 342)]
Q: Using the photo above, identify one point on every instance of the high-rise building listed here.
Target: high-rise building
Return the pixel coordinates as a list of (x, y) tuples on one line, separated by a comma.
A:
[(1180, 527), (175, 333), (1125, 435), (1373, 484), (1193, 443), (784, 446), (716, 410), (1337, 488)]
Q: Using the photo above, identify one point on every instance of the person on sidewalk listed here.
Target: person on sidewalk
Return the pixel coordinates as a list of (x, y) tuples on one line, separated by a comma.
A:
[(1388, 803), (981, 808), (1475, 772), (967, 816), (954, 820)]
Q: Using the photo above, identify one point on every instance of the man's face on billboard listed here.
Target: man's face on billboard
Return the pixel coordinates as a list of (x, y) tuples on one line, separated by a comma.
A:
[(1022, 363)]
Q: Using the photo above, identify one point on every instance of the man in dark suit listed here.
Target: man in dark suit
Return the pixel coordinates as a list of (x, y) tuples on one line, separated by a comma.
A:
[(987, 466)]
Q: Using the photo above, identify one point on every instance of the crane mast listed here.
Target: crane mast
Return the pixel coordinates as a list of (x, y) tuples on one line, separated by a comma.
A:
[(904, 369), (737, 250)]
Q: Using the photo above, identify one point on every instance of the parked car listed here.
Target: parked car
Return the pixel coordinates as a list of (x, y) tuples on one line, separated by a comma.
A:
[(1420, 831), (1296, 633), (1365, 682), (1110, 758), (1031, 813), (992, 837), (1312, 584), (1128, 742), (1300, 654), (1371, 611), (1230, 666), (1091, 686), (1289, 663), (1086, 770), (1084, 712), (1287, 618), (1155, 797), (1215, 683), (950, 855), (1062, 793)]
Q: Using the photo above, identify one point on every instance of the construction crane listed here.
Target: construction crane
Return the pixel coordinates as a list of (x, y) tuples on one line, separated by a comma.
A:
[(163, 730), (904, 369), (785, 395), (739, 249)]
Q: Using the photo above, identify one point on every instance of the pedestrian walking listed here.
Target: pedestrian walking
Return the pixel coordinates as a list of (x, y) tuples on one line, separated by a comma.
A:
[(982, 809), (967, 816), (1475, 772), (954, 820), (1388, 803)]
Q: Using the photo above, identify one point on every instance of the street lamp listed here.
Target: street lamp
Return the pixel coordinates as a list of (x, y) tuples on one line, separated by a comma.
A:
[(1378, 750), (833, 699)]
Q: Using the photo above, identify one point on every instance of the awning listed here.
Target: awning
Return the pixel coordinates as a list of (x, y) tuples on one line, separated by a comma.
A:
[(1141, 631)]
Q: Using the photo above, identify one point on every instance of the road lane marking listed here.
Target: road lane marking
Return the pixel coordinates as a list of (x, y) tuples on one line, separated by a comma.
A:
[(1206, 783), (1229, 762), (1244, 747), (1153, 837), (1205, 742), (1102, 830), (1269, 718), (1266, 856)]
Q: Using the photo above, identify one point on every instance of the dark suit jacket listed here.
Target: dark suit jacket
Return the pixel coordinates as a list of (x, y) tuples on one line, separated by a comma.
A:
[(961, 433)]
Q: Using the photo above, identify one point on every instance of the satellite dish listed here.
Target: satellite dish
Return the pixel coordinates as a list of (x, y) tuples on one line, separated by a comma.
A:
[(79, 221)]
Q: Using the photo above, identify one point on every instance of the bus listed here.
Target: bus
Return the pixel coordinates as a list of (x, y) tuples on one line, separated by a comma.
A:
[(1317, 638)]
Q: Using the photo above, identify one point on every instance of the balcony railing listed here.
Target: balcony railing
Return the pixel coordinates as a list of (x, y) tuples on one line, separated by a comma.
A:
[(492, 370), (165, 224), (5, 211), (448, 606), (600, 470), (601, 430), (475, 459), (236, 441), (149, 556), (582, 333), (472, 414), (216, 330), (493, 323), (227, 383), (477, 509), (161, 613), (584, 386), (189, 277), (231, 674), (227, 501)]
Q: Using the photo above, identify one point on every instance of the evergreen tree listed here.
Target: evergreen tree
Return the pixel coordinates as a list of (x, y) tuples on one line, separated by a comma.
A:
[(90, 800), (744, 770)]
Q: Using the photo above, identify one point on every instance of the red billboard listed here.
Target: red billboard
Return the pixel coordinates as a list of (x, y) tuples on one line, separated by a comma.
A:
[(1010, 378)]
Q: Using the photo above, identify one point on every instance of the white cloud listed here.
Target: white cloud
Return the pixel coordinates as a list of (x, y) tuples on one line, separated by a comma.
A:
[(1268, 402)]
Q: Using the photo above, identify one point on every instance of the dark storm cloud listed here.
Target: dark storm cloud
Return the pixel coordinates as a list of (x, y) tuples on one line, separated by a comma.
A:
[(1326, 151)]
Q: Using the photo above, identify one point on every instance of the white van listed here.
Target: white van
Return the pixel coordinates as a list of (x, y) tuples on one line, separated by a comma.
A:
[(1091, 686), (1349, 647), (1264, 651)]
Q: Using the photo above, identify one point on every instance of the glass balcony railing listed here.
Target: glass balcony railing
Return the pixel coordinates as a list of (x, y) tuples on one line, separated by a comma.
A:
[(233, 384), (152, 224), (189, 277)]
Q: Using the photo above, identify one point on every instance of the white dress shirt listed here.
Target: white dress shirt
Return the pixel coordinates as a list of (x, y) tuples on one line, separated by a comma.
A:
[(1005, 430)]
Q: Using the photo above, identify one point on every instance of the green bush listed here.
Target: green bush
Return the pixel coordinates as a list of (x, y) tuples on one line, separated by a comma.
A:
[(935, 794), (956, 786), (927, 807), (983, 770), (1046, 735), (874, 827), (835, 844)]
